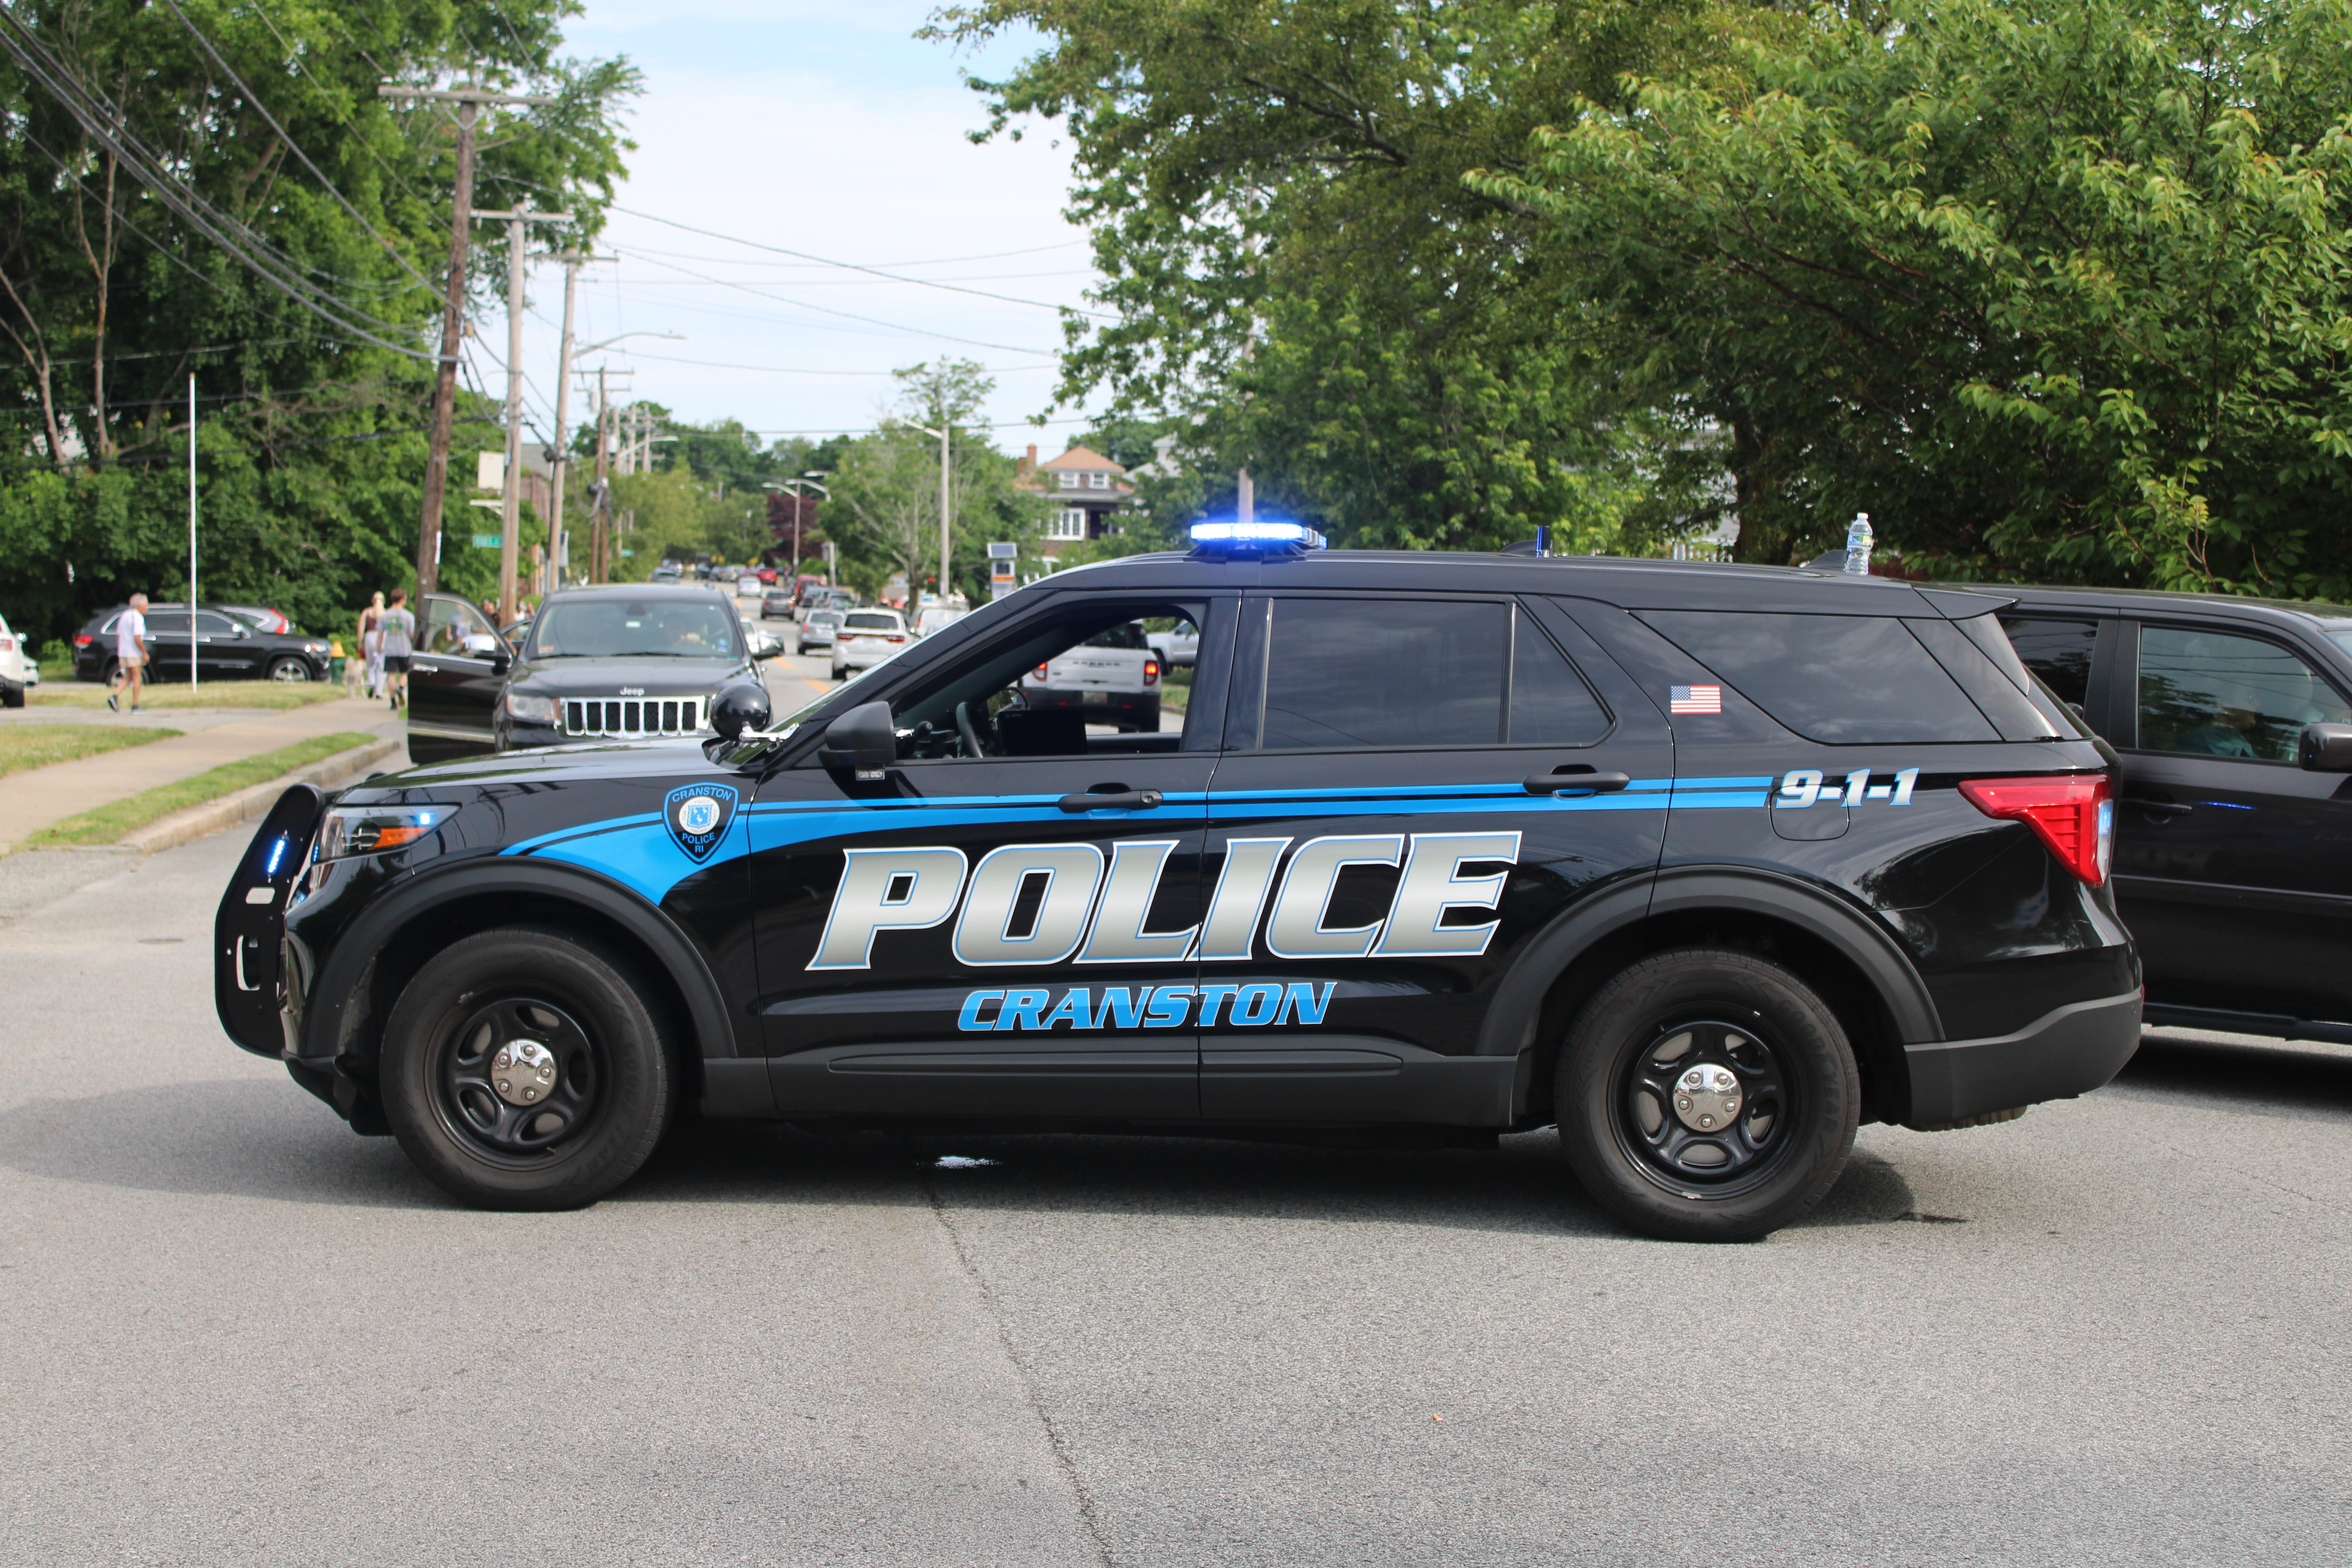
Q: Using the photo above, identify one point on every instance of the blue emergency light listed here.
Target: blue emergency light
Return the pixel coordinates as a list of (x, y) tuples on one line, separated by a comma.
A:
[(1266, 536)]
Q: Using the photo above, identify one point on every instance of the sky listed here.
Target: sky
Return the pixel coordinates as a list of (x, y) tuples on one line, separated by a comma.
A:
[(830, 130)]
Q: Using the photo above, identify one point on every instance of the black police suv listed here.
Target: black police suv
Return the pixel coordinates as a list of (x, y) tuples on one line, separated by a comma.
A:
[(1705, 864), (2231, 720), (223, 647), (624, 662)]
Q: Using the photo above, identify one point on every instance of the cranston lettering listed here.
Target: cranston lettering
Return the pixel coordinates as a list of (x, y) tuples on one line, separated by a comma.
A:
[(1248, 1007), (1088, 908)]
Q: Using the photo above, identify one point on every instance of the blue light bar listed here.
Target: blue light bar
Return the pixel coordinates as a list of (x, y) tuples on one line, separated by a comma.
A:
[(1260, 533)]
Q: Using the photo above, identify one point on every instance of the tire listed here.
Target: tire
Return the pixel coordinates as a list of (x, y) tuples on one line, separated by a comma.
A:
[(289, 669), (12, 696), (608, 1072), (109, 672), (840, 671), (1690, 1176)]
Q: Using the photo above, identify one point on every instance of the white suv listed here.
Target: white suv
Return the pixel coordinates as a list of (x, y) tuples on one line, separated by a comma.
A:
[(18, 669), (1113, 678), (865, 637)]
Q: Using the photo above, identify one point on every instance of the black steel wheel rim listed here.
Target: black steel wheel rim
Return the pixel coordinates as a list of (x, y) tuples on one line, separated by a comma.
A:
[(1665, 1128), (467, 1095)]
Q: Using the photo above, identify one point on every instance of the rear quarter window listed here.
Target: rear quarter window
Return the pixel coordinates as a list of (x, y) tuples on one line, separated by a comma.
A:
[(1842, 680)]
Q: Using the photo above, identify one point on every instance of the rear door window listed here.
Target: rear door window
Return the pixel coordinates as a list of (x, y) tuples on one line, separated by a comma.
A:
[(2210, 694), (1550, 704), (1838, 679), (2059, 651), (1362, 674)]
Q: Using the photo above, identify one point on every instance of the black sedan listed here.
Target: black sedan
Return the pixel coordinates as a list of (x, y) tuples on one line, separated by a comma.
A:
[(225, 647), (623, 662)]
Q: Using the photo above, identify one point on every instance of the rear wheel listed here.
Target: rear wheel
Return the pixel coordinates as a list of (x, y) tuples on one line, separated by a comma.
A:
[(12, 696), (840, 670), (522, 1069), (1707, 1095), (289, 669)]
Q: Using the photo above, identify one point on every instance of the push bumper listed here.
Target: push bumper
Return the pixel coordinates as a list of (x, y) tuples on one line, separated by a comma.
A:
[(2068, 1051)]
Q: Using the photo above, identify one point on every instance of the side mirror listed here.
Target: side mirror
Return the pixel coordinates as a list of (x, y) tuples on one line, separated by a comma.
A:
[(864, 739), (741, 707), (2326, 749), (500, 662)]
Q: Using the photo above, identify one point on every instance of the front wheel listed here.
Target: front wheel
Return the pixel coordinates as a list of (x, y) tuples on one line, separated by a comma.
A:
[(523, 1069), (290, 670), (1707, 1095), (840, 670)]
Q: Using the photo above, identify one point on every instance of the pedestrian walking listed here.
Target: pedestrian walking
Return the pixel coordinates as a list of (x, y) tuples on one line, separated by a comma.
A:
[(397, 632), (371, 652), (129, 652)]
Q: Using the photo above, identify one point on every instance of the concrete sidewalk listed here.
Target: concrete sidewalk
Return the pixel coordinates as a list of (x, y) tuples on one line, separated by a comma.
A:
[(32, 801)]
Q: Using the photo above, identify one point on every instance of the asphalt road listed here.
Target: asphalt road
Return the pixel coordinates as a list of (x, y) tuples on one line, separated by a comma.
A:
[(236, 1333)]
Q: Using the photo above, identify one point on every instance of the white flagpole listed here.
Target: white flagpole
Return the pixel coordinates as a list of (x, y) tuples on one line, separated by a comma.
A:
[(192, 533)]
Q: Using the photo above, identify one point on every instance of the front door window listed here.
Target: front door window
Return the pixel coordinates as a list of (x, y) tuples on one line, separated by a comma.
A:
[(2208, 694)]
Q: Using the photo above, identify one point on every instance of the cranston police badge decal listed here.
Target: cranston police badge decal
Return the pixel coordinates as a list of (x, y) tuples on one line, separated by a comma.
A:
[(696, 817)]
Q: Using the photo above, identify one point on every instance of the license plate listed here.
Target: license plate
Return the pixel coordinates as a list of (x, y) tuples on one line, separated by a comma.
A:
[(1097, 697)]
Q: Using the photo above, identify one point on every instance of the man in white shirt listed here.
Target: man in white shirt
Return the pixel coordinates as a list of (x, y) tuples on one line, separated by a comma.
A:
[(130, 651)]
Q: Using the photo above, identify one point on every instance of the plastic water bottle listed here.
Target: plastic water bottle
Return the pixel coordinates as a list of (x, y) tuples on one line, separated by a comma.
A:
[(1857, 545)]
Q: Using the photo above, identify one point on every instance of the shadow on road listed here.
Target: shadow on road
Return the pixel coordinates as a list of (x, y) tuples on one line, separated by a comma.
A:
[(2280, 1076), (253, 1137)]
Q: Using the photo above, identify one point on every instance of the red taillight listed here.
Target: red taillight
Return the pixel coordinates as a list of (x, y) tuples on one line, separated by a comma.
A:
[(83, 639), (2074, 813), (893, 636), (8, 645), (1151, 671), (1038, 674)]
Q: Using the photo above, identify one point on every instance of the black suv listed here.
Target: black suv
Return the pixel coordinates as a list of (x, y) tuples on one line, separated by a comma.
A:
[(225, 647), (630, 662), (2232, 720), (1705, 864)]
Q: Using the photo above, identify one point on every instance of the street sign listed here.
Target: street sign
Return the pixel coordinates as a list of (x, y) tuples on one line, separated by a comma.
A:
[(1003, 551), (487, 541)]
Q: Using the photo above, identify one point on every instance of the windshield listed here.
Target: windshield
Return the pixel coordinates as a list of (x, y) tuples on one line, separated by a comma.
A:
[(871, 621), (634, 628)]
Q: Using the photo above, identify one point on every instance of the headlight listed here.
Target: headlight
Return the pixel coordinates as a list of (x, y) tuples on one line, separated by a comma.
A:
[(373, 829), (314, 647), (525, 709)]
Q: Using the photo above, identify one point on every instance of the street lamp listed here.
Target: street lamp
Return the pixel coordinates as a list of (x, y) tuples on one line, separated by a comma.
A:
[(794, 487), (942, 434)]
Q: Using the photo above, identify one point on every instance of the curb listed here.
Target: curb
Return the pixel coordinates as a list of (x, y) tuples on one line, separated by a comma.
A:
[(254, 800)]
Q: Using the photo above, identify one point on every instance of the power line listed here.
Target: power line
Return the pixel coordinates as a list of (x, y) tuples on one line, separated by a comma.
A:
[(828, 310), (929, 261), (791, 370)]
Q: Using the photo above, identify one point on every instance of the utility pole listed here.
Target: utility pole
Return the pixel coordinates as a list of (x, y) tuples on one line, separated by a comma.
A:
[(600, 521), (510, 494), (946, 507), (561, 460), (468, 97)]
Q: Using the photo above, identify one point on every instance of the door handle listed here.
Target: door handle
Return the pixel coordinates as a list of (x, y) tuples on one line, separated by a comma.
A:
[(424, 669), (2158, 807), (1595, 783), (1118, 800)]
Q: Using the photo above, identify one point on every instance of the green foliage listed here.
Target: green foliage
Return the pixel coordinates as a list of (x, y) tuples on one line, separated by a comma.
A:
[(2050, 287), (1295, 264), (309, 429)]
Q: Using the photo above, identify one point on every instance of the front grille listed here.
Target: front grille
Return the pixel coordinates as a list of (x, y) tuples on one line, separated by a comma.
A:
[(635, 715)]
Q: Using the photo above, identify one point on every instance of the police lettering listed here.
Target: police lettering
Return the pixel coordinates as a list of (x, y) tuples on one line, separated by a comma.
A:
[(1098, 911)]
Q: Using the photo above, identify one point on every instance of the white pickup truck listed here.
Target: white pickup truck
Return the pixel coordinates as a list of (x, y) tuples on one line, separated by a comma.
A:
[(1113, 678)]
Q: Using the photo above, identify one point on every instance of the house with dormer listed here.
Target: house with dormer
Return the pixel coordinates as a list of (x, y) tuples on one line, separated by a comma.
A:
[(1088, 491)]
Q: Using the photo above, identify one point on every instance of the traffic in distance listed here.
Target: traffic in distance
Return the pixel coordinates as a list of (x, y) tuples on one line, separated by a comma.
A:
[(1707, 865)]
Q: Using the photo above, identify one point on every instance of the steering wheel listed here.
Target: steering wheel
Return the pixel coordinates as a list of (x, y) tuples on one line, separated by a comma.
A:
[(965, 728)]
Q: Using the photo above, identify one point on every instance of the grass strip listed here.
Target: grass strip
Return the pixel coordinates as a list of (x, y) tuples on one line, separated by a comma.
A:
[(107, 824), (24, 746), (268, 694)]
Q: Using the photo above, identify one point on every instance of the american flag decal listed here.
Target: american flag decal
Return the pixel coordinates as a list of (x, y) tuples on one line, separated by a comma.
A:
[(1694, 699)]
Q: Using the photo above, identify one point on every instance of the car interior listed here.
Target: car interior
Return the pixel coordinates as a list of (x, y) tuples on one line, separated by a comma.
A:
[(2210, 694), (976, 710)]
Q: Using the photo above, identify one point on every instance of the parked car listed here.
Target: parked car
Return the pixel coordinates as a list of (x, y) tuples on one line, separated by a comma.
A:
[(622, 661), (19, 669), (1179, 649), (225, 646), (1113, 678), (776, 603), (260, 619), (2231, 723), (817, 628), (748, 585), (767, 576), (867, 637)]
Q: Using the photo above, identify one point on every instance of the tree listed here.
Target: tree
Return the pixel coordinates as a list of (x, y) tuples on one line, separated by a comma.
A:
[(884, 513), (290, 262), (2052, 288), (1294, 264)]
